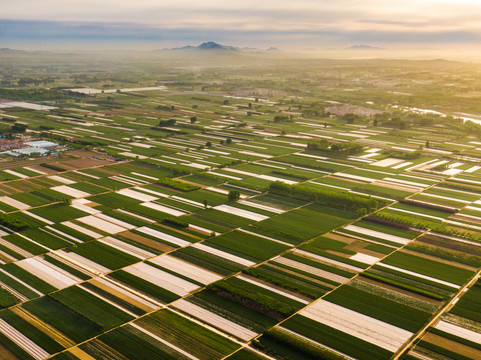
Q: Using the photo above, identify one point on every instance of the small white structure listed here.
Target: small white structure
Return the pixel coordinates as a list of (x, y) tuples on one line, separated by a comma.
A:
[(26, 151), (41, 144)]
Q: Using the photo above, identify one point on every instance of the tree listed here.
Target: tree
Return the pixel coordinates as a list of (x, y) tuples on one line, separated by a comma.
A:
[(361, 211), (193, 119), (208, 144), (233, 195), (350, 118), (281, 118), (427, 144), (170, 122), (206, 203), (19, 128), (228, 141), (67, 201), (226, 102)]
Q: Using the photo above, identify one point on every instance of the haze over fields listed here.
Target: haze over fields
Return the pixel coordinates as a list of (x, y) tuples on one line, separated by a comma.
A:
[(425, 28)]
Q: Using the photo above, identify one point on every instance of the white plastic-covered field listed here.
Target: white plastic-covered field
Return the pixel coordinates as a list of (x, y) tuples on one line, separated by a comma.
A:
[(459, 331), (153, 192), (253, 153), (223, 254), (446, 198), (61, 179), (115, 221), (82, 262), (354, 177), (310, 269), (21, 282), (262, 176), (15, 203), (127, 248), (80, 204), (215, 320), (67, 190), (186, 269), (22, 341), (161, 278), (241, 212), (473, 169), (40, 172), (188, 201), (54, 232), (224, 175), (182, 353), (15, 173), (82, 229), (49, 273), (401, 165), (397, 186), (26, 105), (100, 224), (327, 260), (163, 236), (144, 176), (377, 234), (388, 162), (364, 327), (125, 293), (262, 207), (366, 259), (406, 182), (164, 209), (136, 195)]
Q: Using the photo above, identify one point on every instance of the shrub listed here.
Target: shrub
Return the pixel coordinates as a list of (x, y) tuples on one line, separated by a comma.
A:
[(177, 223), (177, 184), (13, 222), (233, 195), (51, 166), (264, 304), (170, 122), (335, 199)]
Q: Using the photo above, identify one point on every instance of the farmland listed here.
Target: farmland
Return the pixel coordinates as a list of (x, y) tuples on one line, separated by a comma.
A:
[(238, 212)]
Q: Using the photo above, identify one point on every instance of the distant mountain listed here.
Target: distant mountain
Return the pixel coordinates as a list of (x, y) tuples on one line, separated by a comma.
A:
[(211, 49), (364, 47), (5, 50), (214, 46), (210, 45), (11, 51)]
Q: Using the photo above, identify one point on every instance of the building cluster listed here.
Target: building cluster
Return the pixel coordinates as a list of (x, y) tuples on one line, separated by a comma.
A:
[(31, 148)]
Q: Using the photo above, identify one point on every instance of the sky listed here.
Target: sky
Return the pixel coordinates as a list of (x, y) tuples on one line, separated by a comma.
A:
[(293, 24)]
